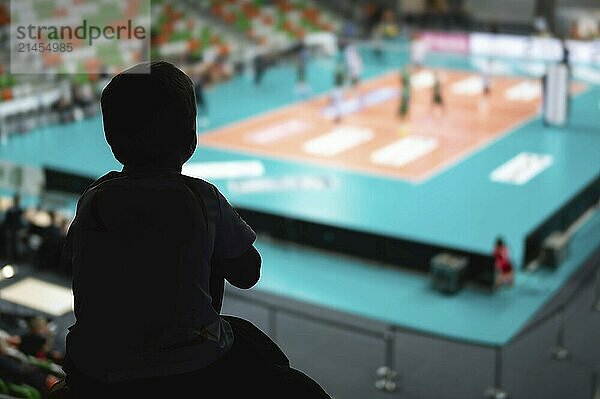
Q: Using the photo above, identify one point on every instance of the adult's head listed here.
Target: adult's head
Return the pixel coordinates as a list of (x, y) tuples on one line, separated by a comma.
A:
[(38, 325), (149, 115)]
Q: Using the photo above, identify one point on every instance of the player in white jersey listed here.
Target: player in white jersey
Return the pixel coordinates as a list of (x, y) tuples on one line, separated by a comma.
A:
[(418, 52), (354, 66), (486, 85)]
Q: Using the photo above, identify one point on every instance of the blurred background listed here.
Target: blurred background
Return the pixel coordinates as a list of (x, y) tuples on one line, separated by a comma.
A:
[(379, 149)]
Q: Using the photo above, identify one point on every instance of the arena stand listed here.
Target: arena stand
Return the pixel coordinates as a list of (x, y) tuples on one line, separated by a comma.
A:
[(217, 36)]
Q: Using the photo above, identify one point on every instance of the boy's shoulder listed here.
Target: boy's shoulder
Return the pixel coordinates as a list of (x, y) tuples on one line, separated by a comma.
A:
[(204, 186), (108, 176), (188, 179), (209, 193), (201, 186), (113, 174)]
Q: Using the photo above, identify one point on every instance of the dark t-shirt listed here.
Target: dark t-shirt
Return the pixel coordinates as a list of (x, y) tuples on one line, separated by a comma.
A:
[(111, 339)]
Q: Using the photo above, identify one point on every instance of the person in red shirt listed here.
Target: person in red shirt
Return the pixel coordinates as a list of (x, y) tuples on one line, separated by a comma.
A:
[(504, 267)]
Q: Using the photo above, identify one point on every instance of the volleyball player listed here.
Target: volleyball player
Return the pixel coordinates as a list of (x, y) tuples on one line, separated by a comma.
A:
[(486, 78), (486, 83), (418, 51), (437, 99), (405, 92), (303, 89), (337, 94), (354, 66)]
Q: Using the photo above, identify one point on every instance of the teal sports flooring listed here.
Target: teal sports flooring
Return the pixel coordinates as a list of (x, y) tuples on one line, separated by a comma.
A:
[(459, 207)]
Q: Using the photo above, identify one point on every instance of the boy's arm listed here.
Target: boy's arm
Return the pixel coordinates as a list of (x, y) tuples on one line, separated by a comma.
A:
[(243, 271), (235, 258)]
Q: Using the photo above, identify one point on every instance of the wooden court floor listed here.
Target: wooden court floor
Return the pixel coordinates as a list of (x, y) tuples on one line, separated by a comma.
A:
[(372, 138)]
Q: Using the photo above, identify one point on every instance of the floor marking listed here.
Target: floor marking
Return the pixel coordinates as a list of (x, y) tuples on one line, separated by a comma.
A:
[(224, 170), (285, 183), (522, 168), (470, 86), (524, 91), (404, 151), (339, 140), (278, 132)]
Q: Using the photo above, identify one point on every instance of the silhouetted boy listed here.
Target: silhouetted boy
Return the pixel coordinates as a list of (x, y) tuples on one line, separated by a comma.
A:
[(150, 249)]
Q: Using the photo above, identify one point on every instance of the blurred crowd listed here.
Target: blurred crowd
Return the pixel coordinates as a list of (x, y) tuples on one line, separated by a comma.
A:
[(30, 364), (30, 356), (32, 235)]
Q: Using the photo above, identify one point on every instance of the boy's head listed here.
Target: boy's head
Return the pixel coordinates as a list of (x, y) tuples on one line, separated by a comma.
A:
[(149, 115)]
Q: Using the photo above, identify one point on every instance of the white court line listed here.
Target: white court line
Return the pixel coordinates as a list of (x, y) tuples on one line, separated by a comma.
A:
[(39, 295), (404, 151), (338, 140), (224, 169)]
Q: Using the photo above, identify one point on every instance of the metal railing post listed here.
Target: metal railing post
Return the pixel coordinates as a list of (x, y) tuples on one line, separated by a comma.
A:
[(560, 352), (496, 391), (595, 384), (387, 374), (596, 302)]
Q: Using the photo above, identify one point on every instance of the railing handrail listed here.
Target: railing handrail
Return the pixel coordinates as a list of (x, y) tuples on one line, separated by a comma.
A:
[(390, 327), (557, 309), (377, 333)]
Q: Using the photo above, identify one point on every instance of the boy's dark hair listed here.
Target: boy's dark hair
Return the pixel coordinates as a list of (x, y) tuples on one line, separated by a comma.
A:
[(149, 115)]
